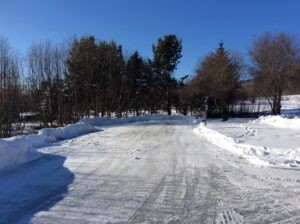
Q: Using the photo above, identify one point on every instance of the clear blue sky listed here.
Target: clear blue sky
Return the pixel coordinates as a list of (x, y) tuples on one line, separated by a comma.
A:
[(136, 24)]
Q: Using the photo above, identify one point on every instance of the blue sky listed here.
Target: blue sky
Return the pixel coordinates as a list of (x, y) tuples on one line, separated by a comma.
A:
[(136, 24)]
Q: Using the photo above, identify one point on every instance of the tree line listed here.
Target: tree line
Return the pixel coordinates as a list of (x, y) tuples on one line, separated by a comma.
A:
[(220, 81), (59, 84)]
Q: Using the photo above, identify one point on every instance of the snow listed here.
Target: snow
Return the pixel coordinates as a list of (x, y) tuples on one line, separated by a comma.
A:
[(255, 141), (290, 102), (20, 149), (266, 141), (150, 172), (279, 121), (103, 121), (290, 105), (155, 168), (249, 152)]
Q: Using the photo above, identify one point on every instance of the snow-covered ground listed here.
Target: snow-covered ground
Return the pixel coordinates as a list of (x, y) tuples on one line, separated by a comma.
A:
[(21, 149), (280, 122), (155, 169), (159, 171), (266, 141), (290, 105)]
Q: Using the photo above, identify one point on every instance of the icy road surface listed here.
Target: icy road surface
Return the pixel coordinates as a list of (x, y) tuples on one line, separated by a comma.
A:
[(147, 173)]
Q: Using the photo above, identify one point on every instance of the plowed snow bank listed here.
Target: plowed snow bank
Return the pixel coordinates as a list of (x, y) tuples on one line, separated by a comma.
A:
[(100, 121), (280, 122), (257, 155), (20, 149)]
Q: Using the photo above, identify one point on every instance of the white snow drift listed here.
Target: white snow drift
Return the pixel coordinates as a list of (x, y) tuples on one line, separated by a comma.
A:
[(19, 149), (258, 155), (280, 122)]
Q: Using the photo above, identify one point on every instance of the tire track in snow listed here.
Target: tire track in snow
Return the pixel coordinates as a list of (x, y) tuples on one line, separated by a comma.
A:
[(140, 215), (177, 180)]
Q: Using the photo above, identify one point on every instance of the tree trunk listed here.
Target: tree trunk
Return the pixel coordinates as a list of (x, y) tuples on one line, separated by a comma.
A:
[(184, 111), (276, 110), (224, 112), (169, 100)]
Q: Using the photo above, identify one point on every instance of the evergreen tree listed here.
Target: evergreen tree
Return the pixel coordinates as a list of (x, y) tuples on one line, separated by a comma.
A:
[(219, 77), (136, 82), (81, 69), (167, 54)]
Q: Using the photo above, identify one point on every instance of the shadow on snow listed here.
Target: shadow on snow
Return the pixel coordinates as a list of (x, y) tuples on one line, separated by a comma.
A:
[(33, 187)]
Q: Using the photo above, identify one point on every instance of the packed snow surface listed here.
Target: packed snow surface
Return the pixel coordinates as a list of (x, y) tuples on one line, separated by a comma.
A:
[(20, 149), (155, 169), (150, 172)]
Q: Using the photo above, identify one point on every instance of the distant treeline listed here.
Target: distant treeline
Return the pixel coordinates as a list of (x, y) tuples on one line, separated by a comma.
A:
[(62, 83)]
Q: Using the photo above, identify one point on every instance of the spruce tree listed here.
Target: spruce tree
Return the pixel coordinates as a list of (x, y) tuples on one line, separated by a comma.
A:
[(167, 54), (219, 75), (81, 69), (136, 81)]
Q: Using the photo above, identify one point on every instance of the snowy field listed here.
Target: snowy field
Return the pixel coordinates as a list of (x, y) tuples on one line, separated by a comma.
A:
[(266, 141), (290, 105), (153, 169)]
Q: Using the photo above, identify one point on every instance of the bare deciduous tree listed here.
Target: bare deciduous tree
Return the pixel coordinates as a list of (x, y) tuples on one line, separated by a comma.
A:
[(274, 58), (10, 89)]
